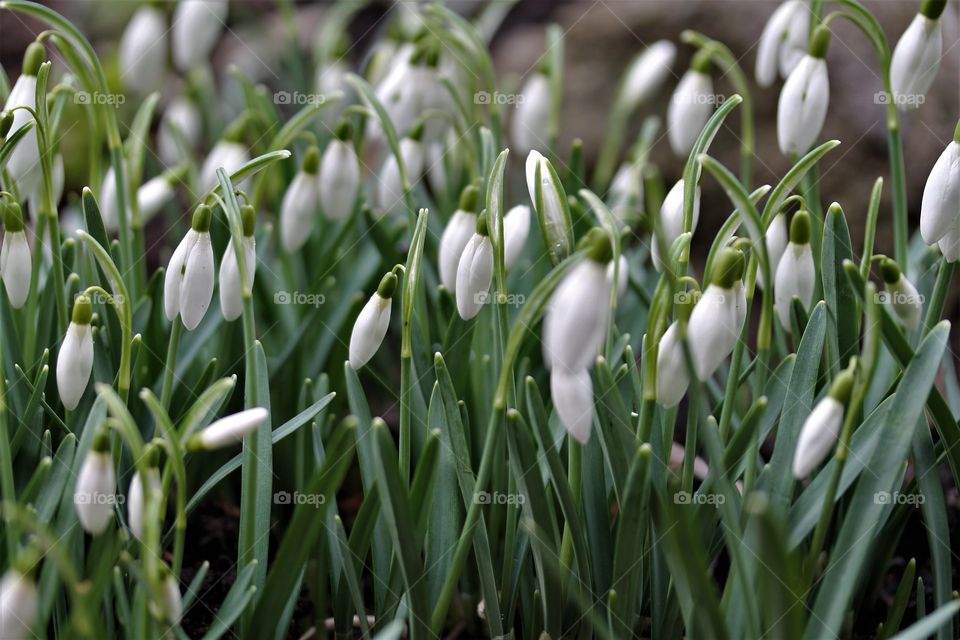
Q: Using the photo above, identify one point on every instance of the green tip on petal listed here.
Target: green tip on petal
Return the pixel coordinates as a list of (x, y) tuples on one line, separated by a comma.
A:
[(820, 42), (12, 217), (202, 218), (933, 9), (701, 61), (33, 58), (101, 440), (890, 271), (82, 310), (483, 224), (842, 386), (728, 268), (469, 199), (598, 246), (311, 160), (800, 228), (248, 216), (956, 133), (388, 285)]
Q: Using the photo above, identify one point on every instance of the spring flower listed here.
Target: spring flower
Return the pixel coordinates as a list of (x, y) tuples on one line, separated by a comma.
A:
[(136, 500), (143, 50), (647, 73), (475, 271), (456, 235), (902, 295), (691, 105), (188, 282), (372, 323), (75, 360), (96, 486), (803, 103), (15, 262), (390, 189), (231, 288), (622, 274), (228, 430), (229, 153), (57, 178), (718, 317), (550, 203), (572, 393), (783, 41), (530, 127), (19, 603), (152, 196), (776, 241), (180, 124), (339, 179), (170, 607), (410, 89), (940, 207), (516, 229), (916, 57), (196, 28), (23, 163), (671, 221), (822, 427), (673, 378), (299, 207), (796, 274), (626, 192)]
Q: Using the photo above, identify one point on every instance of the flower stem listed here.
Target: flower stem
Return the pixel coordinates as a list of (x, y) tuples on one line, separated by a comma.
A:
[(166, 390), (939, 295)]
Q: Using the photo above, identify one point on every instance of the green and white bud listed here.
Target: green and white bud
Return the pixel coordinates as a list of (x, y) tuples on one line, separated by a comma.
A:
[(902, 296), (796, 275), (299, 207), (23, 163), (691, 105), (804, 99), (95, 492), (188, 282), (15, 261), (339, 180), (475, 271), (717, 319), (916, 57), (783, 42), (19, 603), (456, 235), (372, 323), (822, 427), (196, 28), (231, 289), (671, 221), (940, 207), (529, 128), (143, 50), (228, 430), (75, 359)]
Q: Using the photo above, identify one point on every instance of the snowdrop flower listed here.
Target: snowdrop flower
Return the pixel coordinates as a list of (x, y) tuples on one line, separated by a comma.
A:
[(339, 175), (136, 500), (475, 271), (456, 235), (576, 319), (229, 153), (691, 105), (903, 297), (572, 393), (916, 57), (372, 323), (23, 163), (228, 430), (409, 89), (231, 287), (940, 207), (152, 196), (622, 274), (626, 192), (180, 123), (673, 378), (15, 262), (718, 317), (170, 607), (19, 602), (516, 229), (299, 207), (389, 188), (796, 274), (96, 486), (550, 202), (671, 222), (143, 49), (783, 41), (188, 282), (75, 360), (530, 127), (804, 99), (196, 29), (647, 73), (776, 241), (822, 427), (57, 178)]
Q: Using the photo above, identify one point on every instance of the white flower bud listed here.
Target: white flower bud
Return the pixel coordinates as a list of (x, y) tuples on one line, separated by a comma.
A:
[(390, 188), (227, 154), (647, 73), (136, 501), (916, 59), (15, 262), (23, 163), (19, 603), (531, 120), (188, 281), (822, 427), (174, 275), (231, 291), (180, 121), (196, 28), (95, 491), (803, 103), (299, 207), (717, 319), (622, 273), (372, 323), (516, 229), (552, 208), (474, 273), (671, 221), (776, 240), (783, 42), (572, 393), (456, 235), (673, 379), (151, 198), (143, 50), (170, 608), (690, 107), (626, 192), (75, 359), (575, 322), (940, 207), (229, 430), (796, 275), (339, 180), (903, 297)]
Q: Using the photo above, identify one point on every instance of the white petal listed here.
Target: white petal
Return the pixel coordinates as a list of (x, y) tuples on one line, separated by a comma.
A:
[(16, 267), (530, 125), (74, 364), (23, 163), (369, 330), (143, 50), (456, 235), (152, 196), (768, 49), (19, 603), (516, 228), (940, 207), (135, 499), (796, 277), (647, 73), (803, 104), (180, 118), (196, 28), (474, 273), (172, 600), (231, 293), (950, 243), (796, 41), (714, 328), (818, 436), (575, 322), (915, 62), (339, 180), (533, 159), (108, 200), (231, 429), (671, 220), (95, 492), (906, 302), (622, 275), (572, 394), (298, 211), (690, 108), (776, 240), (174, 275), (673, 379), (196, 287), (228, 155)]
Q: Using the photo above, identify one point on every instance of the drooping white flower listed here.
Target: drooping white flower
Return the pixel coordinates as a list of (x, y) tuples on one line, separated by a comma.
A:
[(550, 202), (180, 125), (196, 28), (389, 185), (299, 207), (671, 221), (940, 207), (456, 235), (475, 272), (75, 359), (229, 153), (19, 604), (691, 105), (647, 73), (151, 197), (903, 297), (516, 229), (572, 393), (673, 379), (15, 262), (916, 57), (170, 607), (783, 41), (136, 501), (372, 323), (229, 430), (96, 487), (776, 240), (822, 427), (339, 179), (626, 192), (530, 127), (231, 287), (188, 281), (803, 103), (718, 317), (143, 50), (796, 275), (621, 272), (409, 89), (23, 163)]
